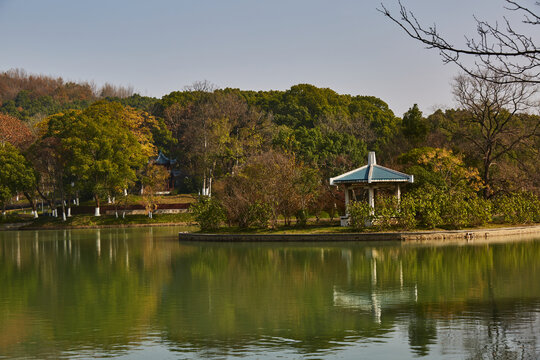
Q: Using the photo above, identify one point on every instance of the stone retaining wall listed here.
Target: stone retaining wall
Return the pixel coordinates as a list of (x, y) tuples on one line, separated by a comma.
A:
[(418, 236)]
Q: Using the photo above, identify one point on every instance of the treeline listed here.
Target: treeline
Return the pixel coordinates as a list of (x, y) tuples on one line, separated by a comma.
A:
[(32, 97), (225, 140)]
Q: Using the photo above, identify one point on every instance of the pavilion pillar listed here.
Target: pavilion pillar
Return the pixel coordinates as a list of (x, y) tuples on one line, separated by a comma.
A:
[(344, 220), (371, 199), (347, 199), (398, 192)]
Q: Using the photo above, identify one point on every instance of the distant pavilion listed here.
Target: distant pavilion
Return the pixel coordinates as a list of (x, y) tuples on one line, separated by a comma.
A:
[(369, 177), (169, 164)]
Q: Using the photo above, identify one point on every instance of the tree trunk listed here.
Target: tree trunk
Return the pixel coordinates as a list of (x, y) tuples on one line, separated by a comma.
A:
[(96, 212), (486, 179), (47, 200), (63, 201), (33, 204), (68, 204)]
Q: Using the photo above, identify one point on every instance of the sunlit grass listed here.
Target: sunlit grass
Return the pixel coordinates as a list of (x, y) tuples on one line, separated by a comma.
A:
[(88, 220)]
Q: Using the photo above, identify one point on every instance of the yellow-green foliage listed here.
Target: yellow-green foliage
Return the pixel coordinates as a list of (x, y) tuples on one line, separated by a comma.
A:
[(208, 213), (360, 214), (518, 208)]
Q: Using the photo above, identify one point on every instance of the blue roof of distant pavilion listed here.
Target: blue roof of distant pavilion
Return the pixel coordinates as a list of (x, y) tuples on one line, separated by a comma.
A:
[(371, 173), (163, 160)]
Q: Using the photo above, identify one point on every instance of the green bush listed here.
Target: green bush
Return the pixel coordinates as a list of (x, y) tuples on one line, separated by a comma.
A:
[(386, 212), (208, 213), (480, 211), (428, 201), (454, 211), (360, 214), (432, 207), (259, 214), (407, 213), (518, 208)]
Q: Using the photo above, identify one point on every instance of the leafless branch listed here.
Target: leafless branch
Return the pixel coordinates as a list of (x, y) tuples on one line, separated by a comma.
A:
[(508, 55)]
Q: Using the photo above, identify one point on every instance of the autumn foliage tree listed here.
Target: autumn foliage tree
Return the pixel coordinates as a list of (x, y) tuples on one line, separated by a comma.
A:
[(15, 132), (266, 187), (154, 179)]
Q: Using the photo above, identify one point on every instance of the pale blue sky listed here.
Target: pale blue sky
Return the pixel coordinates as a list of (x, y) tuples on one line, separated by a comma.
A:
[(163, 45)]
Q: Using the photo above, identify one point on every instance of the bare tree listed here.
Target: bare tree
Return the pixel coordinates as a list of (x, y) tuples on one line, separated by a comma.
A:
[(113, 91), (508, 54), (201, 86), (495, 121)]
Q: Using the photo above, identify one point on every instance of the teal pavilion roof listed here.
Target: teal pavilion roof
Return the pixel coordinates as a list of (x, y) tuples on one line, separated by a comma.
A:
[(163, 160), (371, 173)]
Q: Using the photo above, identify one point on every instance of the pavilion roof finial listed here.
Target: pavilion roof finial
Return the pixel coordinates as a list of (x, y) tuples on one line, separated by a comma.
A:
[(371, 160)]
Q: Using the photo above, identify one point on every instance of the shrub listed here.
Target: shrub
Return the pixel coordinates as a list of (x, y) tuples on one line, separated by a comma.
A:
[(386, 211), (454, 211), (407, 213), (480, 211), (518, 208), (259, 214), (428, 201), (208, 213), (360, 214)]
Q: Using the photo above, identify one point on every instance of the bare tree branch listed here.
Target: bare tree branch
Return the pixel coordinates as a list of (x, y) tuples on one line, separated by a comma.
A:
[(508, 55), (496, 119)]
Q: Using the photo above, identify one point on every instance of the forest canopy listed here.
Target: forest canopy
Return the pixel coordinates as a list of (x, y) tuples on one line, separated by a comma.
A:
[(67, 130)]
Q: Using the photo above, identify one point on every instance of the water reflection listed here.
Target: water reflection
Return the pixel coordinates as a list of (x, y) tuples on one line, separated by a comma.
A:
[(127, 292)]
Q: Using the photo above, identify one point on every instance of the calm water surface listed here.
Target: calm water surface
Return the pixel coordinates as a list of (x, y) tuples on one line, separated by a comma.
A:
[(139, 294)]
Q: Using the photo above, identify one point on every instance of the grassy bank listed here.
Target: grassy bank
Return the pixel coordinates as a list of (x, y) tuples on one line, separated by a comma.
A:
[(83, 221), (14, 218), (323, 226)]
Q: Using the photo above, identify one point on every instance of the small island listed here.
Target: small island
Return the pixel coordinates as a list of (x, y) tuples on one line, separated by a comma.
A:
[(249, 163)]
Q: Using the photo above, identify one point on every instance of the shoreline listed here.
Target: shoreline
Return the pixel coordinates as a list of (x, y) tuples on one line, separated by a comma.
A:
[(24, 227), (466, 235), (438, 236)]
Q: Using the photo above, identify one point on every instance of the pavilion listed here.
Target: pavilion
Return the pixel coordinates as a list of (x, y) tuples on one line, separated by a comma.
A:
[(369, 177), (169, 164)]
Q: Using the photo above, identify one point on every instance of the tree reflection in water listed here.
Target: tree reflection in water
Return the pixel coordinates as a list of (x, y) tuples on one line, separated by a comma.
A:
[(112, 291)]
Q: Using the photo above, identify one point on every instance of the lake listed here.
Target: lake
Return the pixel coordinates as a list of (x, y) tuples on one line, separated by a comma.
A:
[(139, 293)]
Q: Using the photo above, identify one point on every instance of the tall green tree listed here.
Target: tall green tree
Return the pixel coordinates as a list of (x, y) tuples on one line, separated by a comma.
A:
[(215, 132), (415, 126), (16, 173), (102, 150)]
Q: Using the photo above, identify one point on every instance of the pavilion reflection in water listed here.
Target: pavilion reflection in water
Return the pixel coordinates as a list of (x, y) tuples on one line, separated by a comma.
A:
[(374, 299)]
